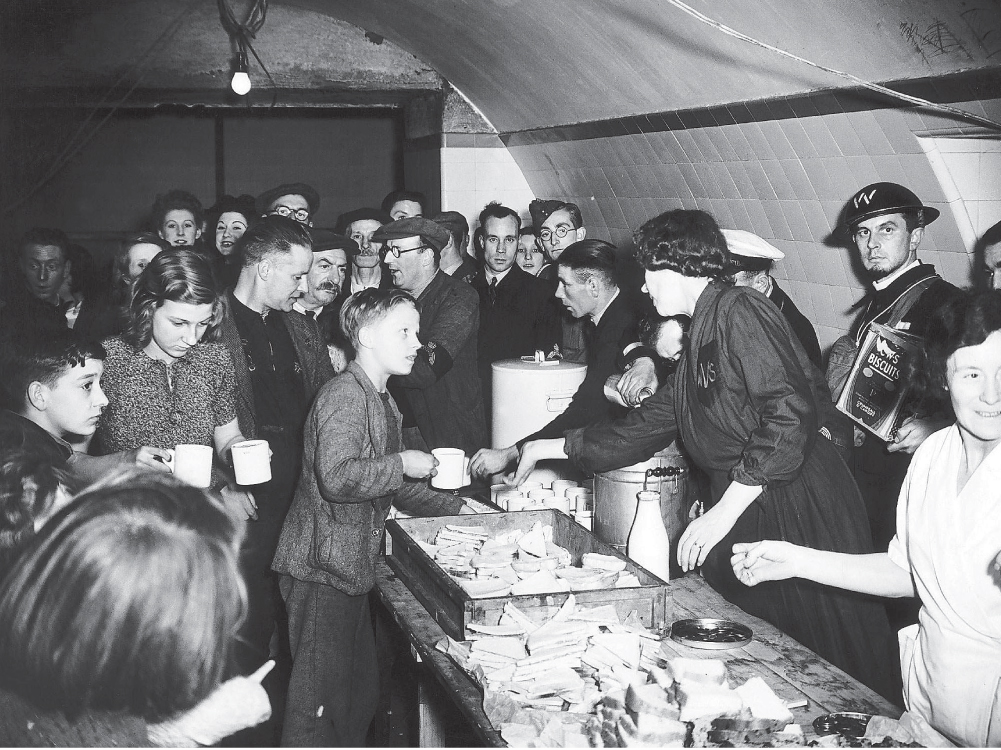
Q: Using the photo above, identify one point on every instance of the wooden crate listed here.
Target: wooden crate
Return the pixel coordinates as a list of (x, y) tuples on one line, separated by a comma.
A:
[(453, 609)]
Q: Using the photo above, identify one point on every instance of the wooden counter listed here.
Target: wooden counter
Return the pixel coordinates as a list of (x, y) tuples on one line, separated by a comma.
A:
[(790, 669)]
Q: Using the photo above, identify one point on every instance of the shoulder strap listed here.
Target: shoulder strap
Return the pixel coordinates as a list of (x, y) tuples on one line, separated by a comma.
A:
[(906, 300)]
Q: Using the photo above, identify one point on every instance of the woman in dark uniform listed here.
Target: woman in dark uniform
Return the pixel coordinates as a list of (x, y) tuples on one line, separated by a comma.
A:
[(748, 406)]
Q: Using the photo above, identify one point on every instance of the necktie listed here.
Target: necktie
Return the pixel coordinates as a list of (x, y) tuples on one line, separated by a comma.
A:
[(492, 291), (311, 314)]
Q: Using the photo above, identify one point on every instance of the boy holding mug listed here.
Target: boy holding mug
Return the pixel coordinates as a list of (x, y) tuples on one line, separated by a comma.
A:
[(354, 468)]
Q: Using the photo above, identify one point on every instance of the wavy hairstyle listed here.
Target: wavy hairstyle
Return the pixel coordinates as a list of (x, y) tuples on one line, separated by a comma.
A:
[(120, 263), (685, 241), (179, 275), (129, 600), (176, 200)]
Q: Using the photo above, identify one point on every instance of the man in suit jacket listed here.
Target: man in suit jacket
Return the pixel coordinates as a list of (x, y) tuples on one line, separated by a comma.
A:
[(279, 368), (589, 289), (517, 312)]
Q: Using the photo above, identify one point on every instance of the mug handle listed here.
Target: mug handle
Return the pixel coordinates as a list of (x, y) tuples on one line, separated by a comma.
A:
[(169, 461)]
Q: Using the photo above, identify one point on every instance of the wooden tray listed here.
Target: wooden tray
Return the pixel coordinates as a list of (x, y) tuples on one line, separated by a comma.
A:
[(453, 609)]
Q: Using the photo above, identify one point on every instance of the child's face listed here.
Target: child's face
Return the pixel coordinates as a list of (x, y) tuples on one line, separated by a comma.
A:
[(529, 256), (75, 402), (395, 339)]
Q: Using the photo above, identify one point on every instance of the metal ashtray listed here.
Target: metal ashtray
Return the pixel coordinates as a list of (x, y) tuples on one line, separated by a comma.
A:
[(706, 632), (847, 724)]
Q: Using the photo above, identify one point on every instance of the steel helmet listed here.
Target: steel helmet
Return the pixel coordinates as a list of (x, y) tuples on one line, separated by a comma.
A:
[(885, 198)]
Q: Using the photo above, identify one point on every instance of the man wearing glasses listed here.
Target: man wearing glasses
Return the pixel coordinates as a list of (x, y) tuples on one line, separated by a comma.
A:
[(560, 225), (294, 200), (442, 392)]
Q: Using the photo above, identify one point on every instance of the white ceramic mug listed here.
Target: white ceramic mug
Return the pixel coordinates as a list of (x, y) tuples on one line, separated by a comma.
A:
[(192, 464), (452, 470), (252, 462), (510, 499), (560, 486)]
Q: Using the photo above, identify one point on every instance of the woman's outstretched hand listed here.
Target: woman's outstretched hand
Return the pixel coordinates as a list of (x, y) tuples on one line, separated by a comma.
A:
[(530, 454), (770, 560)]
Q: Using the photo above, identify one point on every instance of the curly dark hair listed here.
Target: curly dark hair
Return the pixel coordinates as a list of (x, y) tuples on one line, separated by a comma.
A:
[(179, 275), (176, 200), (684, 241), (964, 320)]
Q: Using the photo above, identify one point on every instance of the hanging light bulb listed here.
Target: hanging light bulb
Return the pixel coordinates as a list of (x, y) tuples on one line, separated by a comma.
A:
[(241, 79), (240, 82)]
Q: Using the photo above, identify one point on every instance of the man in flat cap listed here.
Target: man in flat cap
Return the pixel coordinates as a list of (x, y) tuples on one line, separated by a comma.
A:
[(295, 200), (751, 260), (367, 271), (319, 307), (455, 261), (887, 222), (443, 389)]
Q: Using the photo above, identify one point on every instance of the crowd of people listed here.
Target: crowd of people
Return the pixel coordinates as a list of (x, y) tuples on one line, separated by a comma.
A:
[(356, 351)]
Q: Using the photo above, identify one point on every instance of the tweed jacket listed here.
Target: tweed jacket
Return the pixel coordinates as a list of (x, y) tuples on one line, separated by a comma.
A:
[(311, 351), (333, 531), (443, 389)]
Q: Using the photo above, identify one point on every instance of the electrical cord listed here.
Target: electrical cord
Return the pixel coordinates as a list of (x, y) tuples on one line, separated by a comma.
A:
[(961, 113)]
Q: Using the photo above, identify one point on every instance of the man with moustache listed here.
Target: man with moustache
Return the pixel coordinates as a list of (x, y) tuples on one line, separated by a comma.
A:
[(367, 271), (278, 372), (517, 315), (319, 307), (443, 389), (887, 222)]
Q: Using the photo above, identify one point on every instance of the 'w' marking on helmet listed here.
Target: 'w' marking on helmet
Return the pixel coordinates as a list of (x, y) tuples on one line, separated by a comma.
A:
[(863, 197)]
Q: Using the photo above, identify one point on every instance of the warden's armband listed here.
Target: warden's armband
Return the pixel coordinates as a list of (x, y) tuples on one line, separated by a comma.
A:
[(438, 358)]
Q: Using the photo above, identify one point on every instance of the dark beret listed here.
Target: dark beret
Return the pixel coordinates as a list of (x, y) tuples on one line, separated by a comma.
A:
[(324, 239), (414, 226), (360, 214), (453, 221), (268, 197), (542, 210)]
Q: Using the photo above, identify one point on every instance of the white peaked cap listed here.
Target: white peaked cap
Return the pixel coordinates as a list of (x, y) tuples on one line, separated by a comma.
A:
[(750, 245)]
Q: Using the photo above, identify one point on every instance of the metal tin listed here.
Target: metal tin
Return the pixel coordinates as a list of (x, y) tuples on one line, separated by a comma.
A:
[(710, 633), (846, 724)]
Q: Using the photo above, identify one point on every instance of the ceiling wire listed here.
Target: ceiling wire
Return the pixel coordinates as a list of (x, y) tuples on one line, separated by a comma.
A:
[(242, 33), (81, 137), (961, 113)]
